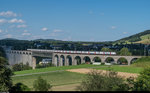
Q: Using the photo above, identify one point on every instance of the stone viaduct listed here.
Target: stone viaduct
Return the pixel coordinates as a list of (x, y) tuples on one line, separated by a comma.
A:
[(59, 59)]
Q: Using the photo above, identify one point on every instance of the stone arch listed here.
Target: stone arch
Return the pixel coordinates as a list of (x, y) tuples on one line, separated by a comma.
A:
[(133, 60), (109, 60), (97, 59), (69, 60), (56, 60), (62, 60), (122, 61), (87, 59), (77, 60)]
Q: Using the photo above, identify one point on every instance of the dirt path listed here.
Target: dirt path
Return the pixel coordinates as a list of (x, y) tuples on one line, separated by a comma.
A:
[(85, 71)]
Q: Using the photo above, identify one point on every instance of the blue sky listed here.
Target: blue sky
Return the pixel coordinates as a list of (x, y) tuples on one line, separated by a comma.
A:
[(73, 20)]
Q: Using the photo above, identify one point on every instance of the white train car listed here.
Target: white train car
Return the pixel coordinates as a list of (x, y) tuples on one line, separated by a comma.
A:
[(85, 52)]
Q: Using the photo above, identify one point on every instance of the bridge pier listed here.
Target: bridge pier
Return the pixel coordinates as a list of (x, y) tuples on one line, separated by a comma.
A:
[(129, 61), (67, 62), (103, 60), (34, 62), (115, 60), (61, 62), (74, 62)]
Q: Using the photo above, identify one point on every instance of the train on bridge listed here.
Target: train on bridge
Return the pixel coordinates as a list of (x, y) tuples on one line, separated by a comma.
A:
[(75, 52), (85, 52)]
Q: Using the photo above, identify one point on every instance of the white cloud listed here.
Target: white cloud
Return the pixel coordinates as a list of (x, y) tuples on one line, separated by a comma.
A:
[(53, 34), (3, 20), (26, 34), (44, 29), (8, 14), (113, 27), (14, 20), (21, 26), (69, 38), (25, 31), (6, 30), (125, 32), (57, 30), (1, 31), (8, 36)]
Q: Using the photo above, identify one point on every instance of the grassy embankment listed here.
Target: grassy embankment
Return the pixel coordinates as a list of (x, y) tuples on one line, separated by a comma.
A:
[(48, 69), (128, 69)]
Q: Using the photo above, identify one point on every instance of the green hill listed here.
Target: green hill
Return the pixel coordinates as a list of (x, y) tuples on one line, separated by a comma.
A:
[(142, 37)]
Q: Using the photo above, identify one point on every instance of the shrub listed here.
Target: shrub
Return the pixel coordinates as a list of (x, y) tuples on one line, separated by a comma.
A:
[(41, 85), (102, 63), (142, 83), (20, 67), (82, 63), (20, 87), (16, 67), (44, 65), (97, 81)]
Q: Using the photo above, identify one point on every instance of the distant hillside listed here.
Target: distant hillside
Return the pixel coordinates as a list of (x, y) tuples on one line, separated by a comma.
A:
[(46, 40), (142, 37), (9, 39)]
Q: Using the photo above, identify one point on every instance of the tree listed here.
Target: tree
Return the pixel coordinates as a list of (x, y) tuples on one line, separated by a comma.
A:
[(41, 85), (106, 49), (124, 52), (142, 82), (5, 75), (96, 81), (20, 87)]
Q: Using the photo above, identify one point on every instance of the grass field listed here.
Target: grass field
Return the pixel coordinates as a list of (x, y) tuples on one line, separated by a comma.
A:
[(54, 69), (128, 69), (55, 78), (64, 80), (118, 68)]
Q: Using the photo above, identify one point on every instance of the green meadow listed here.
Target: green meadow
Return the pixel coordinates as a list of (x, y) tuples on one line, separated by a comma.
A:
[(54, 78), (48, 69)]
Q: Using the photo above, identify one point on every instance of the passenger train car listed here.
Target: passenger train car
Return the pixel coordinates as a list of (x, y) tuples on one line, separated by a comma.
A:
[(85, 52), (75, 52)]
